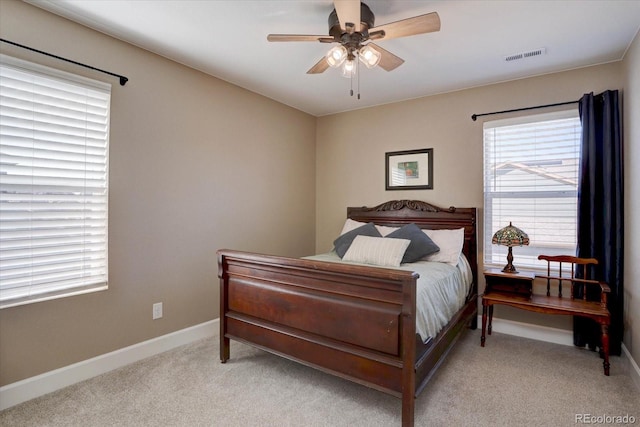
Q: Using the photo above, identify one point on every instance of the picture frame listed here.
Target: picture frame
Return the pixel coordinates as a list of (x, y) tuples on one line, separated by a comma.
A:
[(409, 170)]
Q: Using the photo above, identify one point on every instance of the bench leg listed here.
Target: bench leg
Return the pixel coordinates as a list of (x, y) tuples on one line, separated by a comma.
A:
[(484, 324), (490, 319), (605, 348)]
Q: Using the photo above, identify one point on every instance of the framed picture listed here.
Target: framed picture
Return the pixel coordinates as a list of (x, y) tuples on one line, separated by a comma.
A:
[(409, 170)]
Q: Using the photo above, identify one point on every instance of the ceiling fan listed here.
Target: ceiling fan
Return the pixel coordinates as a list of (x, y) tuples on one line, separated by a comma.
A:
[(351, 24)]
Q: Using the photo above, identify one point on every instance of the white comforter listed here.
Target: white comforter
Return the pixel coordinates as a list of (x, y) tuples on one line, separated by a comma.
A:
[(441, 291)]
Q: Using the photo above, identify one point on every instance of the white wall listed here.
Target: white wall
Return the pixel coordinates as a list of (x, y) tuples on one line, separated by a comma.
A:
[(631, 124)]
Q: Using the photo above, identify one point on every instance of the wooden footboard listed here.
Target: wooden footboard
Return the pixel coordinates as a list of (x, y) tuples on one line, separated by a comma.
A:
[(352, 321)]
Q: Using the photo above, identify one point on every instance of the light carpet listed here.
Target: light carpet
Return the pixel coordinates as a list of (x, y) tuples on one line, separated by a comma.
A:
[(511, 381)]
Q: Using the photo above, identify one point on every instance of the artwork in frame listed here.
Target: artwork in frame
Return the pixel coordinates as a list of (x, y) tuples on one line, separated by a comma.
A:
[(409, 170)]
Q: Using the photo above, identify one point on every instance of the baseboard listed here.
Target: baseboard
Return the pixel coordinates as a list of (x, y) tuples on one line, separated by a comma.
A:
[(27, 389), (555, 335), (529, 330), (634, 370)]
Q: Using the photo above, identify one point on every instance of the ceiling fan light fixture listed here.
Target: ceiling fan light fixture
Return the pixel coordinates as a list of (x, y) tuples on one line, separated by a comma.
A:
[(349, 68), (353, 30), (336, 56), (369, 56)]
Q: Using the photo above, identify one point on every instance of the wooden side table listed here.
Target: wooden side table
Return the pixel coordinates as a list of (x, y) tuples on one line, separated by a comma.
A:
[(503, 288)]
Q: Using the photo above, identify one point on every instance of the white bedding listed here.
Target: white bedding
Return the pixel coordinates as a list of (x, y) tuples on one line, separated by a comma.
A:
[(441, 291)]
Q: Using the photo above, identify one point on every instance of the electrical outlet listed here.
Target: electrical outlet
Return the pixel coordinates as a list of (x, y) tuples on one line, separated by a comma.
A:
[(157, 310)]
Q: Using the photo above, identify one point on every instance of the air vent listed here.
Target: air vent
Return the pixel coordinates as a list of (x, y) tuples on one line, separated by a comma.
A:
[(523, 55)]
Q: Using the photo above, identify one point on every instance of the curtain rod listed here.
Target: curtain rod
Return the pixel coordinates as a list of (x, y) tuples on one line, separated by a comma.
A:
[(475, 116), (123, 79)]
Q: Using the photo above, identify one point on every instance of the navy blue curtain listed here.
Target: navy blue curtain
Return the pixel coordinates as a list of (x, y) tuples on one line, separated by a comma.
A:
[(601, 210)]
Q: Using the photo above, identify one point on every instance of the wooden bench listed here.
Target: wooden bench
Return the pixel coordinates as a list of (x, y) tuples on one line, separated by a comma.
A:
[(557, 303)]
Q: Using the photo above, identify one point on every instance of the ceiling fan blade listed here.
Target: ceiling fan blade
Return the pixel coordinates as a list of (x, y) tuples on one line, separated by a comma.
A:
[(388, 61), (348, 11), (411, 26), (299, 38), (320, 67)]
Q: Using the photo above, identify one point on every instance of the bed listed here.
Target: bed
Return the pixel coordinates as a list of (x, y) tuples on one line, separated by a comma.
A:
[(354, 321)]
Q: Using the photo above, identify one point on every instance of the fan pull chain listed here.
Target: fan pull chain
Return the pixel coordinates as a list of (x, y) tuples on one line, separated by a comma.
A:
[(351, 84), (358, 71)]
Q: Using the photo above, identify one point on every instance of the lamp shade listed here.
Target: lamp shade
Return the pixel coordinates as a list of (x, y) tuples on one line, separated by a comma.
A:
[(369, 56), (336, 56), (349, 68), (510, 236)]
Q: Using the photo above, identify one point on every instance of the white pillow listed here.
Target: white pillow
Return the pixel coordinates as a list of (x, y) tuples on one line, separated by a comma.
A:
[(351, 224), (385, 230), (377, 251), (450, 243)]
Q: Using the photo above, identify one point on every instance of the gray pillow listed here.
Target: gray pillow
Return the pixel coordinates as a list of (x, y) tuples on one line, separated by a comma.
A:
[(421, 245), (343, 242)]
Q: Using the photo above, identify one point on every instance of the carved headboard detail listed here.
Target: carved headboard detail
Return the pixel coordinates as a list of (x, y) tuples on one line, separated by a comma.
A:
[(415, 205)]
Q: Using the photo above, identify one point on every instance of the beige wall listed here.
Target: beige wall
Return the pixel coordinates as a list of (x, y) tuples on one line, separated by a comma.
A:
[(196, 164), (351, 149), (351, 146), (631, 120), (192, 156)]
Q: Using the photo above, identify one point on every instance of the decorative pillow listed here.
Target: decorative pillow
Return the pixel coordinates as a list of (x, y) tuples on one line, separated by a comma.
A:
[(450, 243), (351, 224), (342, 243), (377, 251), (421, 244)]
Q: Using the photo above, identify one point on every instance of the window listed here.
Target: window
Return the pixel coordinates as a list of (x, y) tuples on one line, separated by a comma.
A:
[(54, 133), (531, 179)]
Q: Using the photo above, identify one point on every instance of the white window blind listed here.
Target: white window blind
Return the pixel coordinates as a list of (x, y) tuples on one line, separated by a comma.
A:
[(54, 133), (531, 179)]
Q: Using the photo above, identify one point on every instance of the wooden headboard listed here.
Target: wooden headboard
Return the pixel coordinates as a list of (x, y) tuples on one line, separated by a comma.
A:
[(397, 213)]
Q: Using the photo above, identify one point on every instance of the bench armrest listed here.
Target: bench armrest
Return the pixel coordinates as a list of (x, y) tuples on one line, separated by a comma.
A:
[(603, 295)]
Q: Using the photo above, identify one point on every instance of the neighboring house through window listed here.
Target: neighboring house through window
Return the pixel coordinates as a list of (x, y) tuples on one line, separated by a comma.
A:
[(531, 180), (54, 134)]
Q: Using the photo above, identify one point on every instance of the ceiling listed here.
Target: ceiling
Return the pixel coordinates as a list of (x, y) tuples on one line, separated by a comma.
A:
[(228, 39)]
